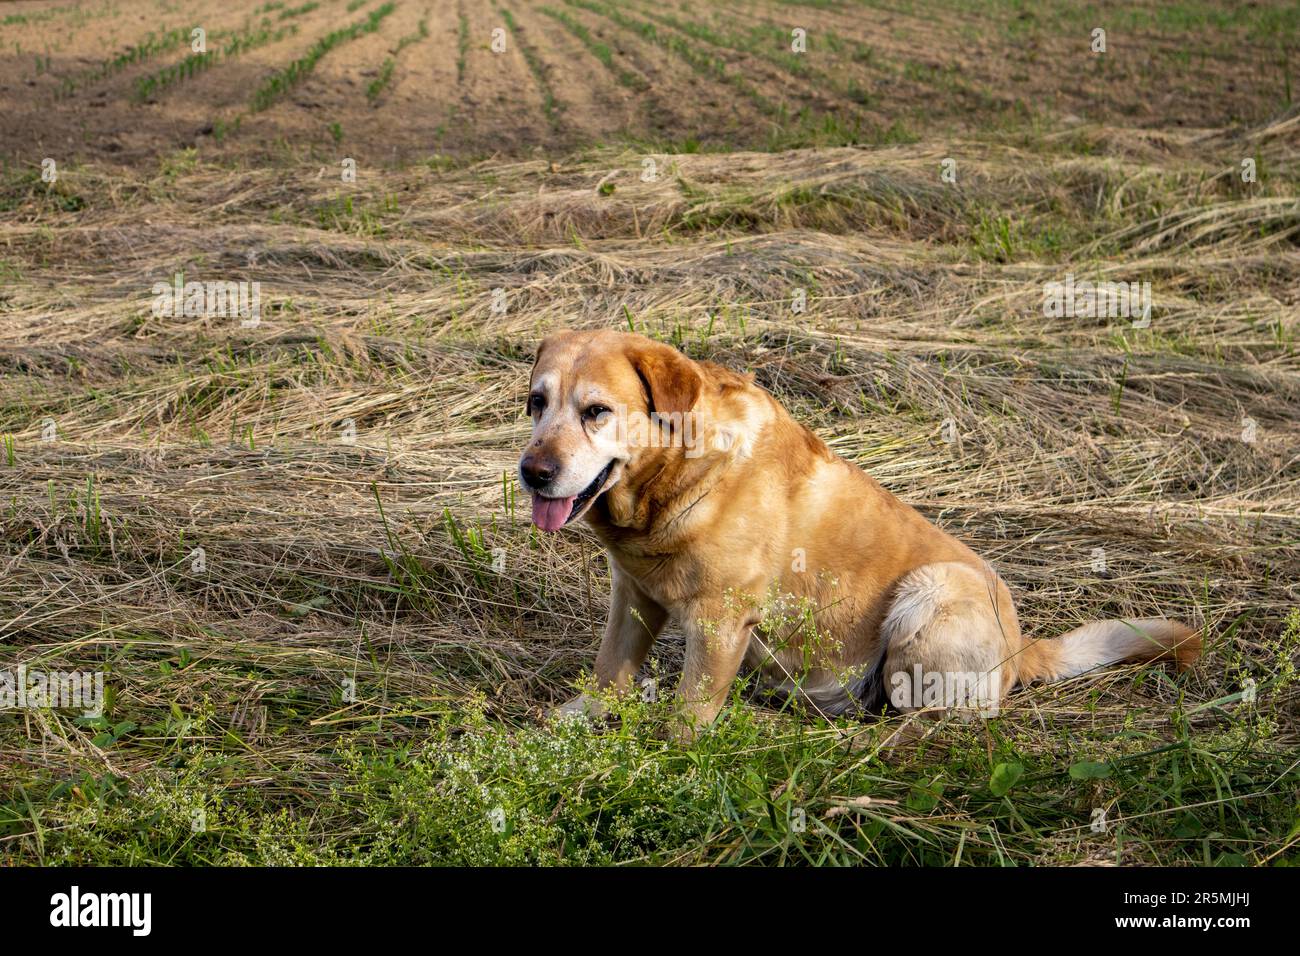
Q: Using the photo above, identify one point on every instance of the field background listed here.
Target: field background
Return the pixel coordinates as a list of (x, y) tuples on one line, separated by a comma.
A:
[(403, 564)]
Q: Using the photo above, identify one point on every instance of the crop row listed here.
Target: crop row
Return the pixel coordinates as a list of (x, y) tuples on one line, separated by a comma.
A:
[(282, 81), (597, 49), (380, 82), (147, 86)]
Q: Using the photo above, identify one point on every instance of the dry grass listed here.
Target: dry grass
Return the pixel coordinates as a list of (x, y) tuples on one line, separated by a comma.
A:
[(1072, 435)]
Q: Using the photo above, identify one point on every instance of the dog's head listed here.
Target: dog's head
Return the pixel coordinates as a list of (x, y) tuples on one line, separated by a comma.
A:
[(604, 405)]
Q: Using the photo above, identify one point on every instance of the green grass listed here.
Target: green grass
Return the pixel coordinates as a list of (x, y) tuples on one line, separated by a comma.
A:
[(757, 789)]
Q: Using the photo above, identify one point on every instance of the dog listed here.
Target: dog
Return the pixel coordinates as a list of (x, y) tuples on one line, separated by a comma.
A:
[(722, 513)]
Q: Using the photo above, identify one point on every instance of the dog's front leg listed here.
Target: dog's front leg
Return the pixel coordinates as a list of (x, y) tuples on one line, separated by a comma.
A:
[(635, 620), (715, 646)]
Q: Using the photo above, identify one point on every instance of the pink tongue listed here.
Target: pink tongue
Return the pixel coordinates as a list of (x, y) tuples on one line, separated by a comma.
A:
[(549, 514)]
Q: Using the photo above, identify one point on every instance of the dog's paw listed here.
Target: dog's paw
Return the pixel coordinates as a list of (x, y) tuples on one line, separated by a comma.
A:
[(687, 726), (582, 707), (681, 734)]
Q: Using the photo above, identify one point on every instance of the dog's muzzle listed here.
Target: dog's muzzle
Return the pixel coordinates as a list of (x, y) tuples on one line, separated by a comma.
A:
[(552, 514)]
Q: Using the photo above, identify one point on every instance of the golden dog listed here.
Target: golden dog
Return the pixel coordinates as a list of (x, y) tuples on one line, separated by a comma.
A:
[(722, 512)]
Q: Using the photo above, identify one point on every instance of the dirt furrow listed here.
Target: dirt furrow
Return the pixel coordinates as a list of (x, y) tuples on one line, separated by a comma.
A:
[(420, 105), (776, 72), (696, 107), (595, 106), (76, 107), (329, 109), (501, 107)]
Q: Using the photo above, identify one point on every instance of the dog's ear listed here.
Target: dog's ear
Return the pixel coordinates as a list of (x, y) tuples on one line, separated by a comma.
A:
[(672, 381)]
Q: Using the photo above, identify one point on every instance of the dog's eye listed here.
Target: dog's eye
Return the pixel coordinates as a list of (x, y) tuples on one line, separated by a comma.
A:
[(593, 412), (536, 403)]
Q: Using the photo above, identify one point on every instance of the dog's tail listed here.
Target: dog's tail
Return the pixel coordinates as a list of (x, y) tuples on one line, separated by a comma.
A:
[(1099, 643)]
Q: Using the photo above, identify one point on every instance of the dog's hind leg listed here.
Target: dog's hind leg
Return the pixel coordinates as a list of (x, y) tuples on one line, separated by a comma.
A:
[(951, 639)]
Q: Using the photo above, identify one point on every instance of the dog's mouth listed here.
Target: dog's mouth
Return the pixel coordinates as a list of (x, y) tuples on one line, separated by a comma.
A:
[(552, 514)]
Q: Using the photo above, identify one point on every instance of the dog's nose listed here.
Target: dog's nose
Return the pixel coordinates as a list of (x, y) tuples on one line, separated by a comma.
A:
[(537, 471)]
